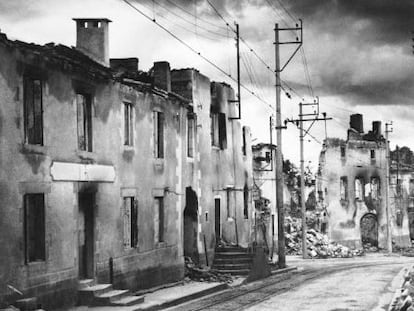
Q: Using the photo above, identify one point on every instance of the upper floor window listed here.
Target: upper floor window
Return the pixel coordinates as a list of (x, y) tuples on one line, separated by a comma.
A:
[(158, 134), (214, 129), (190, 135), (372, 154), (84, 119), (359, 188), (343, 153), (128, 124), (246, 202), (344, 188), (222, 131), (33, 111), (244, 147), (34, 227), (375, 188)]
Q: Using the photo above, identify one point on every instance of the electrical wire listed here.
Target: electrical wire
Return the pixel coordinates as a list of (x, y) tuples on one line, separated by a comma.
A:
[(194, 51)]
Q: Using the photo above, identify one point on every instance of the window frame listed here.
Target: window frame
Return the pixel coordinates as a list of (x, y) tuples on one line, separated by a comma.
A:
[(32, 233), (158, 134), (130, 218), (33, 135), (191, 121), (84, 121), (159, 229), (128, 124)]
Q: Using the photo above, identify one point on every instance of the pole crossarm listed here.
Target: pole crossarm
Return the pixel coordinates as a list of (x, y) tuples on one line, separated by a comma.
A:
[(298, 41)]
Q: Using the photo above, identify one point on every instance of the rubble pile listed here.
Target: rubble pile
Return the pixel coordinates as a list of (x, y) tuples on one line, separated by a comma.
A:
[(204, 274), (318, 246)]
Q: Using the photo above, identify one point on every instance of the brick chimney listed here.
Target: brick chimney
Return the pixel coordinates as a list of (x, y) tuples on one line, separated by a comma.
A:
[(162, 75), (92, 38)]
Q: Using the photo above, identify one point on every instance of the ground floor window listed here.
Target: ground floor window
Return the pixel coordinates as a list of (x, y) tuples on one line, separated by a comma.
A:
[(159, 219), (130, 208), (34, 227)]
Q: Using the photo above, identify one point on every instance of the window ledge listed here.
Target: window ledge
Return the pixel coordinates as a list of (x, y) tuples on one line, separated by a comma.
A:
[(129, 148), (36, 149), (86, 155), (161, 245), (159, 163), (190, 159)]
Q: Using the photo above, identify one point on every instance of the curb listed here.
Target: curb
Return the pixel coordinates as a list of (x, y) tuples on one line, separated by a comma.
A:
[(183, 299), (284, 270)]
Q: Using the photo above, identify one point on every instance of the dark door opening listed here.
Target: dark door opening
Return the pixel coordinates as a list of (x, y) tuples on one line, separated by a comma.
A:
[(217, 219), (191, 224), (369, 230), (86, 235)]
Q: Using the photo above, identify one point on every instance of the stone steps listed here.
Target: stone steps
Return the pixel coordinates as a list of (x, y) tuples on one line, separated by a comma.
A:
[(91, 294), (232, 260)]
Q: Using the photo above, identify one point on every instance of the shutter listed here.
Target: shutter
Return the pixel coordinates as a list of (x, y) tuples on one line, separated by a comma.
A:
[(127, 222), (80, 119), (37, 112), (155, 123), (156, 220), (134, 223), (161, 135)]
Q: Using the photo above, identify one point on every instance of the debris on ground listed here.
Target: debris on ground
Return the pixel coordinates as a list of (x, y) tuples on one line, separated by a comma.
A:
[(204, 274), (318, 246)]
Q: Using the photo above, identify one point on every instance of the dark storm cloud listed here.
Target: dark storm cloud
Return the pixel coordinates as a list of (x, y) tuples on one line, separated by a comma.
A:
[(389, 21), (18, 10)]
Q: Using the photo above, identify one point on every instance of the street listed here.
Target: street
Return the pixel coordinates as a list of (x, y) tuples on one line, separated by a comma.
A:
[(366, 283)]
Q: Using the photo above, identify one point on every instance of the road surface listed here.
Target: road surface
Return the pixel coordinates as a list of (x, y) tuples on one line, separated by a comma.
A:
[(362, 284)]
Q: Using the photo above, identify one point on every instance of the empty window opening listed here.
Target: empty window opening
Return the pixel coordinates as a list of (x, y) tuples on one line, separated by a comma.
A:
[(214, 130), (158, 134), (246, 202), (33, 111), (128, 124), (375, 188), (344, 188), (372, 154), (359, 190), (244, 147), (343, 153), (84, 116), (222, 131), (159, 219), (190, 135), (34, 227), (268, 156), (85, 24), (130, 208)]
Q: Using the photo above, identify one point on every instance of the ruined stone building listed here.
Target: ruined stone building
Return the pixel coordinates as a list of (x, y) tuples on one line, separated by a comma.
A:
[(352, 187), (402, 195), (111, 173)]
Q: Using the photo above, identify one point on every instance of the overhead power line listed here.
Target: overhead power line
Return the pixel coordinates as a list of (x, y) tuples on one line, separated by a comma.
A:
[(194, 50)]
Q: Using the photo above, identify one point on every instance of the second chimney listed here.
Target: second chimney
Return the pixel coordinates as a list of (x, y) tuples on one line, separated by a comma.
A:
[(356, 123), (92, 38), (162, 75)]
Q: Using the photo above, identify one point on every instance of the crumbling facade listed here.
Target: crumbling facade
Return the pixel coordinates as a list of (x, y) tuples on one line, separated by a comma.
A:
[(352, 187), (111, 173)]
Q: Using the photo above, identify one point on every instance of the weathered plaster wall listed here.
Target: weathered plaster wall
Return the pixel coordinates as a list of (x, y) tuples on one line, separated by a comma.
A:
[(26, 169)]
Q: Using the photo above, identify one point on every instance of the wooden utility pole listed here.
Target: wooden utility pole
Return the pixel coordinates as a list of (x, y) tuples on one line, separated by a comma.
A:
[(387, 187), (279, 127)]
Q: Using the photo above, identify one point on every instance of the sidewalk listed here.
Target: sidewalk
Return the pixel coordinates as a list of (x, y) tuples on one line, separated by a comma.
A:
[(165, 297)]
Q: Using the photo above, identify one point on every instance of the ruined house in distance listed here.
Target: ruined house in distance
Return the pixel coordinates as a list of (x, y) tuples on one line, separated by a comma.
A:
[(112, 174), (352, 187)]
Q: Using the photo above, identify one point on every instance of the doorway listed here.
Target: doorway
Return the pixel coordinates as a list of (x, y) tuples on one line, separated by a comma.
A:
[(369, 230), (217, 219), (86, 235), (191, 224)]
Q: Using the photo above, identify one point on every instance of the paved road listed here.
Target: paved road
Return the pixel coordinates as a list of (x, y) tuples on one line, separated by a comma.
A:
[(361, 284)]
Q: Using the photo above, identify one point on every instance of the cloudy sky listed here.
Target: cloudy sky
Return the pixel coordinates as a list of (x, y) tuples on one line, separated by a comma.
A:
[(358, 53)]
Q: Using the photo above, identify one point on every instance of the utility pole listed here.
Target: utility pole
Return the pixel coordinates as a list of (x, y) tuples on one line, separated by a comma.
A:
[(278, 151), (302, 135), (238, 100), (387, 187)]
